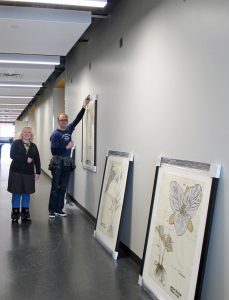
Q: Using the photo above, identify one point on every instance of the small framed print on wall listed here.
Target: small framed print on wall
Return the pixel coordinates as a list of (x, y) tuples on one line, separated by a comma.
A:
[(179, 229), (89, 135)]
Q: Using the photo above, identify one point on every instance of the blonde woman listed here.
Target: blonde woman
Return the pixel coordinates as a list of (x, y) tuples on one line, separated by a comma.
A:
[(25, 169)]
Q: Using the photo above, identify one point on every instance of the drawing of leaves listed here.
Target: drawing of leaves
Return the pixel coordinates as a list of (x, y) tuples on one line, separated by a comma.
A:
[(166, 245)]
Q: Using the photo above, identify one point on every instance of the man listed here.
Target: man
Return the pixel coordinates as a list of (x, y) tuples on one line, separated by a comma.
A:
[(61, 163)]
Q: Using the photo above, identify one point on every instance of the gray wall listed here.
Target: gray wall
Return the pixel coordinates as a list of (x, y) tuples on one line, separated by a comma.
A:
[(165, 92), (44, 127), (58, 103), (50, 104)]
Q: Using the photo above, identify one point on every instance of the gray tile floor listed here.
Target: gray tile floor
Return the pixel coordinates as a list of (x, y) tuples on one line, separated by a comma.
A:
[(58, 259)]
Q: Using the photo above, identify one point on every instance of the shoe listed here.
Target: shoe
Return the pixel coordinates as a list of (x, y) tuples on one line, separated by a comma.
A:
[(25, 215), (51, 215), (14, 220), (15, 215), (60, 213)]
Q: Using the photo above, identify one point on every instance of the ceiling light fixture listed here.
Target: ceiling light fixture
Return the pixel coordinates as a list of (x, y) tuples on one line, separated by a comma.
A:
[(8, 115), (14, 104), (88, 3), (4, 109), (19, 85), (29, 59), (16, 97)]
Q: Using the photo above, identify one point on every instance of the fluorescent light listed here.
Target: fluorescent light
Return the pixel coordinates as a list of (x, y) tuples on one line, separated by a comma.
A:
[(88, 3), (29, 59), (14, 84), (30, 62), (16, 97), (4, 109), (9, 115), (14, 104)]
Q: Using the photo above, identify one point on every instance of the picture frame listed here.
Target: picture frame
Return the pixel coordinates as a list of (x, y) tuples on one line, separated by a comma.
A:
[(70, 186), (112, 200), (178, 230), (89, 129)]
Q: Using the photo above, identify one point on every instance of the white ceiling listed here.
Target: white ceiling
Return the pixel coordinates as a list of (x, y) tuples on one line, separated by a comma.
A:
[(34, 31)]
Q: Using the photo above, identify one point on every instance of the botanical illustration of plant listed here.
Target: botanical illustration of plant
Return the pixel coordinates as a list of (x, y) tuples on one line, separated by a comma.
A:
[(165, 245), (89, 141), (184, 205), (112, 198)]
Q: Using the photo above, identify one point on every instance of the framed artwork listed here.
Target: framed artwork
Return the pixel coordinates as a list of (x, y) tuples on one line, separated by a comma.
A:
[(179, 229), (89, 136), (70, 186), (111, 200)]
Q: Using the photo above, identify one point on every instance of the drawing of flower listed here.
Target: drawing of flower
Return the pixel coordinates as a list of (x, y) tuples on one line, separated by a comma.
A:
[(184, 205)]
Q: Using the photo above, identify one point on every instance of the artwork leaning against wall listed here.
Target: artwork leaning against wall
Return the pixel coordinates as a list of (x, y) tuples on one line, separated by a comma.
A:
[(179, 229)]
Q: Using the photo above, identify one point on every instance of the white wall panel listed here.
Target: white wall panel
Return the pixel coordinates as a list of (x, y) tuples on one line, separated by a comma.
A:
[(44, 127)]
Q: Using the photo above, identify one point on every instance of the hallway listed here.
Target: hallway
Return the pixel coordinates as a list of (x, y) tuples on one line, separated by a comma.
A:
[(58, 259)]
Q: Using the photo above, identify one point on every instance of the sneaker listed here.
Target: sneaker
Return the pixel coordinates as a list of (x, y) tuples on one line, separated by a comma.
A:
[(60, 213), (51, 215)]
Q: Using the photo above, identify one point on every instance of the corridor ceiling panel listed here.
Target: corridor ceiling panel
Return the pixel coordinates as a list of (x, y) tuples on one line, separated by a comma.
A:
[(28, 30), (33, 33), (25, 73), (13, 91)]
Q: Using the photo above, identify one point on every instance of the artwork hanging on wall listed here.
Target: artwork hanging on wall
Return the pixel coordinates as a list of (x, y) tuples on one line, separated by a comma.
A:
[(179, 229), (89, 135), (112, 199), (70, 186)]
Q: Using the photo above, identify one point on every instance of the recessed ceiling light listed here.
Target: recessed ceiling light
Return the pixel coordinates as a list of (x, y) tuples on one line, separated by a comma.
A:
[(15, 84), (10, 109), (88, 3), (16, 97), (14, 104), (29, 59), (8, 115)]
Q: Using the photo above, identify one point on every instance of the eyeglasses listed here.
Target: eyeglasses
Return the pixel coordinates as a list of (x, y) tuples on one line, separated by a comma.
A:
[(63, 120)]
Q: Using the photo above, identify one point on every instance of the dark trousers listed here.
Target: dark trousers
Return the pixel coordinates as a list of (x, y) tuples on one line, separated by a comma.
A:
[(60, 178)]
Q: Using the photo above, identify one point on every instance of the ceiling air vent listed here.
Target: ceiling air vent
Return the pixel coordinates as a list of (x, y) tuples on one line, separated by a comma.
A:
[(11, 75)]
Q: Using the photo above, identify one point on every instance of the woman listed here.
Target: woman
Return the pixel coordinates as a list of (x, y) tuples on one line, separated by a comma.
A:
[(25, 169)]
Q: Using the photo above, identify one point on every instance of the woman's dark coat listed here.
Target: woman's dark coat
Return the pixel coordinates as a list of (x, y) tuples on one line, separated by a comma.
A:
[(21, 175)]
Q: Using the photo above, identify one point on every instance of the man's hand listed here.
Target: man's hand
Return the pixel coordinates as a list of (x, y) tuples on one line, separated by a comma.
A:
[(70, 145), (86, 101)]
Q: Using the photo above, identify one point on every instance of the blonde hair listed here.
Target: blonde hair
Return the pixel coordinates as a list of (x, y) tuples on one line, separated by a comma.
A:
[(20, 133), (62, 114)]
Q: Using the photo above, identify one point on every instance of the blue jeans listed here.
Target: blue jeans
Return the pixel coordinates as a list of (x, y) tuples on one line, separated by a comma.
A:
[(60, 178), (16, 199)]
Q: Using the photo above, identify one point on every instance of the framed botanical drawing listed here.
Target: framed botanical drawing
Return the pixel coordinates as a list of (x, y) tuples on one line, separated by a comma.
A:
[(89, 136), (70, 186), (111, 200), (179, 229)]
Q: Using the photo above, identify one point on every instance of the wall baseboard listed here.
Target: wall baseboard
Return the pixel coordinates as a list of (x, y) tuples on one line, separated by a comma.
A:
[(46, 174), (69, 197), (124, 250)]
